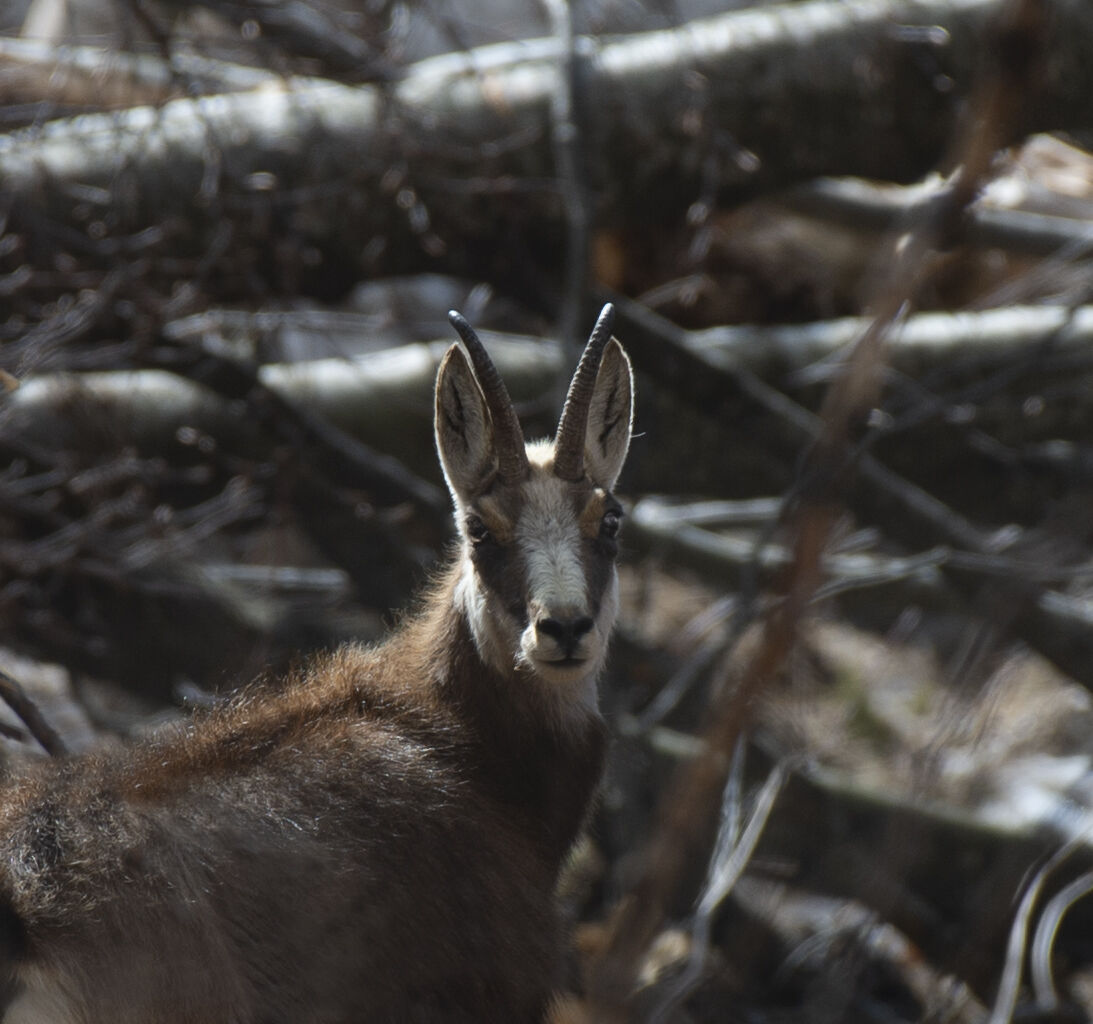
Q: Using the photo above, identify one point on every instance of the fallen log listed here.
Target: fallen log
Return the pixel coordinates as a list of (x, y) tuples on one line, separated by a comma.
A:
[(817, 88)]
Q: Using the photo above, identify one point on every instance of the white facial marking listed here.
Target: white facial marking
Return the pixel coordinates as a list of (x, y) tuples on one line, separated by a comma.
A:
[(495, 634), (549, 540), (547, 546)]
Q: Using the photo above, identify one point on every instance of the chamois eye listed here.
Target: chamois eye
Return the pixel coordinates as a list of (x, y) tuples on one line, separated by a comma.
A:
[(612, 520), (477, 531)]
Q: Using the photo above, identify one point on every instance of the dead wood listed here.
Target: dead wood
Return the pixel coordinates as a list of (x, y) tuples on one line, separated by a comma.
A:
[(448, 163), (1026, 349), (341, 41), (661, 97), (121, 482), (65, 79), (100, 573), (1049, 621), (946, 880), (861, 204), (687, 806), (381, 399), (958, 346), (16, 698), (811, 510), (868, 586)]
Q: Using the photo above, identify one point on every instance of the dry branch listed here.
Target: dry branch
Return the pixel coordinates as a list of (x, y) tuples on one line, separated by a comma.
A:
[(311, 31), (811, 512), (1059, 626), (728, 560), (945, 877), (679, 829), (284, 430), (867, 585)]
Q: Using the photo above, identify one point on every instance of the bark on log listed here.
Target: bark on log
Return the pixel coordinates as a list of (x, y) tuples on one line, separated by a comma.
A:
[(863, 205), (925, 344), (87, 77), (383, 398)]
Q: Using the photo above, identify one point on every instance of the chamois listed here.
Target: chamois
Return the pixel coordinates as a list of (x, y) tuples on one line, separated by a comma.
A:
[(379, 838)]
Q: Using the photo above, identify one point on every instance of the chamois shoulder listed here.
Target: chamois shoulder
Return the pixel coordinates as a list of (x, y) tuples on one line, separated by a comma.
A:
[(355, 702), (319, 765), (363, 700)]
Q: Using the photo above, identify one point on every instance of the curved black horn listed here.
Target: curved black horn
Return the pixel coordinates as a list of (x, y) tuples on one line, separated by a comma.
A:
[(512, 458), (569, 443)]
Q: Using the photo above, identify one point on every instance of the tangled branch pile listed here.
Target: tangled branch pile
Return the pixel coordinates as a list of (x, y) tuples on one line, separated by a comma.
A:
[(230, 235)]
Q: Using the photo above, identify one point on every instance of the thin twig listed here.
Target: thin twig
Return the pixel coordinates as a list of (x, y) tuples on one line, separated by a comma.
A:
[(733, 852), (1047, 998), (1006, 1000), (16, 698)]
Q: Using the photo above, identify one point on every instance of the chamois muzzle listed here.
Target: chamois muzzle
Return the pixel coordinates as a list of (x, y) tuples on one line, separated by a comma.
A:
[(566, 632), (572, 427), (512, 458)]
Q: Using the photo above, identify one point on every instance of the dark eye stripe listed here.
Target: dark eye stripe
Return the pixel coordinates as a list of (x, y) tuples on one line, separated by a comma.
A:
[(477, 530)]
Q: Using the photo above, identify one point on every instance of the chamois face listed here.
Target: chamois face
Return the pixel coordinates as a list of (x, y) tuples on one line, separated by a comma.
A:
[(538, 523)]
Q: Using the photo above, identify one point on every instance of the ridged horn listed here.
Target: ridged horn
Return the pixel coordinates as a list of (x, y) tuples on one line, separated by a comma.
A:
[(508, 438), (569, 442)]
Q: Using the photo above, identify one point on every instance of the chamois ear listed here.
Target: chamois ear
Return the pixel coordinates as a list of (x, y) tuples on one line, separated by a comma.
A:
[(607, 438), (464, 434)]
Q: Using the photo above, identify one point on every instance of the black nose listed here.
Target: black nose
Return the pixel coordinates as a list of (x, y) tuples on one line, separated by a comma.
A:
[(566, 633)]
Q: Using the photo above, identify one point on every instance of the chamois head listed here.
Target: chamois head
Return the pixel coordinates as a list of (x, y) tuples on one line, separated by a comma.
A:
[(538, 523)]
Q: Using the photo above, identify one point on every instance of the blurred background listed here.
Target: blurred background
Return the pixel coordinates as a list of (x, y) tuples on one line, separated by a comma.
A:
[(230, 233)]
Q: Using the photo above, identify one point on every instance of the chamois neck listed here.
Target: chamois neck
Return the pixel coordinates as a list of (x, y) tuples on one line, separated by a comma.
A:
[(543, 763), (475, 658)]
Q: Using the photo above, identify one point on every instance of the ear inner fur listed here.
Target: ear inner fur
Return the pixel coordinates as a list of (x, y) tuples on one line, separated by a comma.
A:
[(609, 417), (463, 429), (508, 435)]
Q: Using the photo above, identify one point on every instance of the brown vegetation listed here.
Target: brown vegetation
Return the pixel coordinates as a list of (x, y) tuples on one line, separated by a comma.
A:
[(221, 293)]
